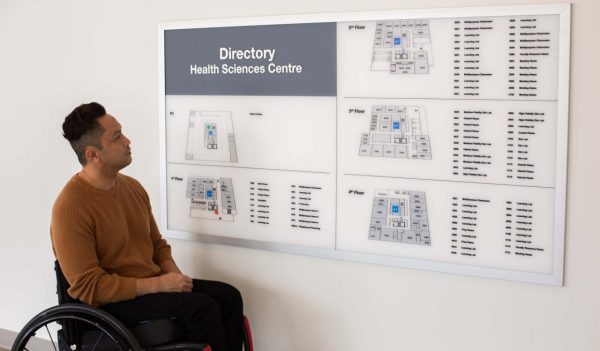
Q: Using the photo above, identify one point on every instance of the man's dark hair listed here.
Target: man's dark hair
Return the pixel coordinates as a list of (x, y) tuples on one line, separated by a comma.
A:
[(81, 128)]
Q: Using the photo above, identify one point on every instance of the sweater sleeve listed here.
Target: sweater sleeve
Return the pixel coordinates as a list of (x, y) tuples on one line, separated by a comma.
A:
[(73, 241), (161, 249)]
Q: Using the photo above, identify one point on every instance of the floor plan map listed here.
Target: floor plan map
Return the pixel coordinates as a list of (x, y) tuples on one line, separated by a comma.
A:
[(210, 137), (400, 216), (397, 131), (211, 198), (432, 138), (402, 47)]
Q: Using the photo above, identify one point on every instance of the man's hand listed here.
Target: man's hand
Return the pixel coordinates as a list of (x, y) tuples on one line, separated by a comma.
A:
[(174, 282), (169, 282)]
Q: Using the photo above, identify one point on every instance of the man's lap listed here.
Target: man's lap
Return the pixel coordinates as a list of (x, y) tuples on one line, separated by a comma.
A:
[(205, 294)]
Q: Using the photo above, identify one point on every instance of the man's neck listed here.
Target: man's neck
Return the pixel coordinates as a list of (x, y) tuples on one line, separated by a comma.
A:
[(99, 179)]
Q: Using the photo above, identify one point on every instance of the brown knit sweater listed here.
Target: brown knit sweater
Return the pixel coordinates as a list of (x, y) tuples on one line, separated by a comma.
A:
[(104, 240)]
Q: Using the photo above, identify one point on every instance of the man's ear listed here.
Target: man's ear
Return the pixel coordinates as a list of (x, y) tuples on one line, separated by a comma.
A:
[(91, 153)]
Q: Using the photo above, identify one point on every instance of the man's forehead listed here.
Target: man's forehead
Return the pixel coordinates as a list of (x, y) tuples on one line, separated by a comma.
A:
[(109, 123)]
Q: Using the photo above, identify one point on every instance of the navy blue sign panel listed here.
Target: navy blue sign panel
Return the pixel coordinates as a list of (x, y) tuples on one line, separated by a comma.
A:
[(273, 60)]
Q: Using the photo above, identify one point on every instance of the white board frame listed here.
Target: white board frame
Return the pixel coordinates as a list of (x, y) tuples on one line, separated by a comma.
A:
[(564, 13)]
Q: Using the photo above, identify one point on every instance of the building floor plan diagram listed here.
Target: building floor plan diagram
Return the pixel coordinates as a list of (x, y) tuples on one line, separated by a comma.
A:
[(210, 137), (211, 198), (400, 216), (398, 132), (432, 138), (402, 47)]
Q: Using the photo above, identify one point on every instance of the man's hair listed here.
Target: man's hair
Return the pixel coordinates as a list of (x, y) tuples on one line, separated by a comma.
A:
[(81, 128)]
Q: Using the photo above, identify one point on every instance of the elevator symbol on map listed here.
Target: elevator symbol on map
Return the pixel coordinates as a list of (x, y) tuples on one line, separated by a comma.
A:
[(398, 132), (400, 216), (402, 47), (211, 198), (210, 137)]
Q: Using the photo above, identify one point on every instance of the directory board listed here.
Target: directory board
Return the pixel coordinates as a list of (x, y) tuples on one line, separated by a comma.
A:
[(432, 139)]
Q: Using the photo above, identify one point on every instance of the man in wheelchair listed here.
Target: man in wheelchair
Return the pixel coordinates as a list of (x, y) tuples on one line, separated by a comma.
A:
[(111, 251)]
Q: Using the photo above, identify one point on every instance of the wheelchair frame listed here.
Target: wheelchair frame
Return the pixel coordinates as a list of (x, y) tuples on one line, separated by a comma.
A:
[(76, 319)]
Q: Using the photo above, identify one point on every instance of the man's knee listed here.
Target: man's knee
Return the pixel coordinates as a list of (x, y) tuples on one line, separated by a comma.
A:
[(235, 294), (234, 301), (225, 293)]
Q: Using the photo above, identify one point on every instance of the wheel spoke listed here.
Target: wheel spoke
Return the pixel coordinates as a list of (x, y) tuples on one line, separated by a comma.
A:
[(50, 335), (97, 341), (112, 334)]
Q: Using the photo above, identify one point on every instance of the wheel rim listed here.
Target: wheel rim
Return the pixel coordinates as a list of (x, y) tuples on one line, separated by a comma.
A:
[(112, 330)]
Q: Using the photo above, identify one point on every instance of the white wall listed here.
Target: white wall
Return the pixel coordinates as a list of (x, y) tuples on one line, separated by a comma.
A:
[(55, 55)]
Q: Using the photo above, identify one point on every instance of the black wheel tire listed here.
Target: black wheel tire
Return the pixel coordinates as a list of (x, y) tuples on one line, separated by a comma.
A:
[(109, 325)]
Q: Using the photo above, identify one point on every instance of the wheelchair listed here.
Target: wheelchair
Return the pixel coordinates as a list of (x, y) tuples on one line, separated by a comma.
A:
[(74, 326)]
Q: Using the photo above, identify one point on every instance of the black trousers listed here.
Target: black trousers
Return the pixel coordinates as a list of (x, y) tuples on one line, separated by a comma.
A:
[(211, 313)]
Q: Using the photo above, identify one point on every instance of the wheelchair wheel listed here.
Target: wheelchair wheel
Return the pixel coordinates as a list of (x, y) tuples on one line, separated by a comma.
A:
[(75, 327)]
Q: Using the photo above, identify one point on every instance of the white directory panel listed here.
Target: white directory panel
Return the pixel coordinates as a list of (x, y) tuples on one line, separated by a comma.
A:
[(432, 139)]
